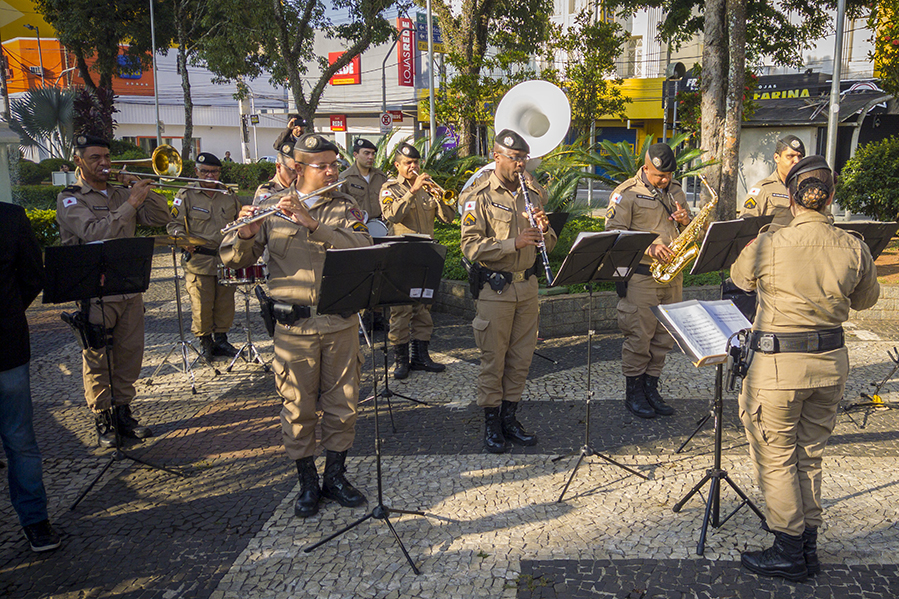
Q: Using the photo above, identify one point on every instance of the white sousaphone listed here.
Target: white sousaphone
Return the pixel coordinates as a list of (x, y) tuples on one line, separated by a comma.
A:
[(539, 112)]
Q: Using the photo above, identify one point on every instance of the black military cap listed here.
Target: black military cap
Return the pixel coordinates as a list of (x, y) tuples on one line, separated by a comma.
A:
[(511, 141), (284, 143), (313, 143), (362, 143), (806, 165), (408, 150), (208, 159), (792, 142), (662, 157), (86, 140)]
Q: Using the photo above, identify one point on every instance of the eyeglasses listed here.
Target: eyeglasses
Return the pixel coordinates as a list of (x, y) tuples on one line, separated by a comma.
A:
[(208, 173), (521, 159), (334, 166)]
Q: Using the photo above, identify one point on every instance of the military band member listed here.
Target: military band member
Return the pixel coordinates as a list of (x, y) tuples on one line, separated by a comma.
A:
[(363, 180), (93, 210), (317, 360), (201, 210), (769, 196), (410, 208), (498, 238), (814, 273), (650, 201), (285, 170)]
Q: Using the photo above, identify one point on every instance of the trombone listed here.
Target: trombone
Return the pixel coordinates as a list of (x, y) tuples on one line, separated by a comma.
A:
[(166, 164)]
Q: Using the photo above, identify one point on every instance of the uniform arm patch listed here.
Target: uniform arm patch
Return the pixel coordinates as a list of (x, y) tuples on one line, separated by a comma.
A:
[(610, 213), (360, 226), (469, 205), (357, 214), (750, 204), (469, 220), (66, 202), (386, 199)]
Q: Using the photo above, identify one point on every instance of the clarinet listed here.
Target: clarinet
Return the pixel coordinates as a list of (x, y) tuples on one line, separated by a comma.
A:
[(529, 206)]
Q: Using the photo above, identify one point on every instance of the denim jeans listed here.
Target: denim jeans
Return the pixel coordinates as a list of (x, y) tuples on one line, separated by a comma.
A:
[(26, 486)]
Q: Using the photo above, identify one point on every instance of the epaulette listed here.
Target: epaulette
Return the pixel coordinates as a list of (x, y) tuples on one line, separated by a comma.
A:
[(73, 188), (267, 185)]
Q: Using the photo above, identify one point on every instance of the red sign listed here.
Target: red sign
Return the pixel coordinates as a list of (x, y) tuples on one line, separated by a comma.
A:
[(338, 122), (396, 116), (405, 56), (351, 74)]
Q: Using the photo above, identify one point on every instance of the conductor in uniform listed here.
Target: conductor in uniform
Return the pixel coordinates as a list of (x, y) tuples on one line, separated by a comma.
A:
[(317, 359), (409, 207), (650, 201), (769, 196), (363, 180), (94, 210), (201, 210), (285, 173), (499, 241), (814, 273)]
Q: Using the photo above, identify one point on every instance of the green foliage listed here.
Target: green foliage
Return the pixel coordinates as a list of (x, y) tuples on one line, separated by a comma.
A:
[(689, 103), (247, 176), (54, 164), (450, 236), (620, 162), (30, 173), (120, 147), (43, 118), (869, 182), (44, 225), (883, 21), (562, 170), (38, 197), (93, 110)]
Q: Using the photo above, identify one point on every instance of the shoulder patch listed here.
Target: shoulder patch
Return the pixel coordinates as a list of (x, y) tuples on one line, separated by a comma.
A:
[(469, 205), (615, 199), (177, 202), (386, 199), (755, 191), (469, 220), (750, 204), (66, 202), (610, 213), (357, 214), (359, 226)]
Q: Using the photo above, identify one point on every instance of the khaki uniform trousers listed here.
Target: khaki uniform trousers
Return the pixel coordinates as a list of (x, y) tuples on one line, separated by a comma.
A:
[(126, 320), (787, 430), (211, 304), (416, 315), (314, 372), (506, 333), (646, 342)]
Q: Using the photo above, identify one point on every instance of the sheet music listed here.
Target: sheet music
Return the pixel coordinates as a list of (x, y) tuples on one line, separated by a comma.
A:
[(704, 327)]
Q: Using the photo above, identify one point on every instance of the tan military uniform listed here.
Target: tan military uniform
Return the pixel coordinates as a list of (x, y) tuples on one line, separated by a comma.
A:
[(317, 360), (634, 207), (409, 212), (267, 190), (85, 214), (814, 273), (768, 197), (505, 326), (197, 214), (366, 193)]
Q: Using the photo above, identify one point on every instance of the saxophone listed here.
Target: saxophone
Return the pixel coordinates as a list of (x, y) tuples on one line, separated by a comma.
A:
[(685, 246)]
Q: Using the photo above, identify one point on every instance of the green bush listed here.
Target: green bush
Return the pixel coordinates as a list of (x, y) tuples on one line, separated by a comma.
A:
[(39, 197), (247, 176), (54, 164), (29, 173), (44, 225), (869, 183), (119, 147)]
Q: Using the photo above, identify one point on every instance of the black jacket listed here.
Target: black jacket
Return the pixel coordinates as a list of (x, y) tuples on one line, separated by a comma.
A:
[(21, 279)]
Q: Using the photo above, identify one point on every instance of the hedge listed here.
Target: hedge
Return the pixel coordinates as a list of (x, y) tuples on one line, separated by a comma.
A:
[(40, 197), (29, 173)]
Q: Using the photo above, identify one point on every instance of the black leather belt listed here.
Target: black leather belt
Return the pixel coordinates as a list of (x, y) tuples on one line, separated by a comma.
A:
[(206, 252), (642, 269), (806, 343), (289, 314)]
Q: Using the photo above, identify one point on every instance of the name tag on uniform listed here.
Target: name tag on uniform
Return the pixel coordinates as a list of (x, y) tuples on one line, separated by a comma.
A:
[(199, 209), (500, 206), (780, 195), (100, 207), (353, 185), (645, 197)]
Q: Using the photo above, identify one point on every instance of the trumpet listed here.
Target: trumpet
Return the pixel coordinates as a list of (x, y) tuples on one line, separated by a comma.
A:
[(274, 210), (447, 196)]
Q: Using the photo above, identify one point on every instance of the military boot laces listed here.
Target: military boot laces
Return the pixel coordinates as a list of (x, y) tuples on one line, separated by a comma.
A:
[(635, 398), (310, 493), (512, 429), (421, 359), (654, 398), (784, 559), (494, 440), (335, 485)]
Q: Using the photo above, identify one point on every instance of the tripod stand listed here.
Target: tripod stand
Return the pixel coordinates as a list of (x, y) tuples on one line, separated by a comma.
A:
[(182, 345), (248, 347), (98, 270)]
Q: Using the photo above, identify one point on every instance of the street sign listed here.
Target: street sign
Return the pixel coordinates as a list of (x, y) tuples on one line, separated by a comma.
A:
[(386, 122), (254, 119)]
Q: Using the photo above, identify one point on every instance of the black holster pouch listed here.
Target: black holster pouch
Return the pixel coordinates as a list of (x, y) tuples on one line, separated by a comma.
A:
[(621, 289), (745, 301), (88, 335), (498, 280), (266, 309), (474, 277)]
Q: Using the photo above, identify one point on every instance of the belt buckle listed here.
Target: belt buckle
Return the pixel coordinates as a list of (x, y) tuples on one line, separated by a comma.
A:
[(767, 343), (518, 277)]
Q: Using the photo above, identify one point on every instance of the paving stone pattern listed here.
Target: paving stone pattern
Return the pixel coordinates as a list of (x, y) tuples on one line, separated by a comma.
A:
[(493, 526)]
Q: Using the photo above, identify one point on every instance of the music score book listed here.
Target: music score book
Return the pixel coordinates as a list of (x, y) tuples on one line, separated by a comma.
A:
[(702, 328)]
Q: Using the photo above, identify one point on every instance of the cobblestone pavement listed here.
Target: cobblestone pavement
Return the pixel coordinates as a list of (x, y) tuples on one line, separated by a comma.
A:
[(492, 525)]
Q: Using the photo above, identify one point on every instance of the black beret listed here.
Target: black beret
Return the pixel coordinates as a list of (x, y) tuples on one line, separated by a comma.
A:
[(806, 165), (312, 143), (86, 141), (661, 156), (791, 141), (408, 150), (511, 141), (208, 159), (284, 143), (361, 143)]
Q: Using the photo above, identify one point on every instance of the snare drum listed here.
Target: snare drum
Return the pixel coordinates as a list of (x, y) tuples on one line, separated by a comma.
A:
[(377, 227), (242, 276)]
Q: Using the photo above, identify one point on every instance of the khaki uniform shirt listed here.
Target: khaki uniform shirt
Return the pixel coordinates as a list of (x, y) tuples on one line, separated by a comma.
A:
[(492, 218), (633, 206), (366, 193), (296, 256), (808, 275), (265, 191), (768, 197), (412, 213), (197, 214)]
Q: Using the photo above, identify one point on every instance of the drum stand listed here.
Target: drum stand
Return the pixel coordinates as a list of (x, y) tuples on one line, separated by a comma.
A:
[(182, 345), (248, 347)]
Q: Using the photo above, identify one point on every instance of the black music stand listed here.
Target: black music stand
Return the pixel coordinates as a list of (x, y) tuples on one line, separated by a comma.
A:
[(390, 274), (97, 270), (607, 256), (722, 245)]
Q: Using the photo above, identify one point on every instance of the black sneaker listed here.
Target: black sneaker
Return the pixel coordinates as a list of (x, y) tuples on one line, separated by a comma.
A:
[(42, 537)]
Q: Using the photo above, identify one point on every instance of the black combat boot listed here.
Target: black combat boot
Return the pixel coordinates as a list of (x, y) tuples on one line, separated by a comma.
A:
[(635, 398), (207, 348), (421, 359), (784, 559), (128, 424), (512, 429), (221, 347), (654, 398), (810, 550), (105, 431), (494, 441), (401, 354), (310, 492), (335, 485)]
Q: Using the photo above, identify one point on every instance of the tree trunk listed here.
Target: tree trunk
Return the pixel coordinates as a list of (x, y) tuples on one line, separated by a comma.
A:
[(85, 72), (736, 84), (187, 141), (714, 86)]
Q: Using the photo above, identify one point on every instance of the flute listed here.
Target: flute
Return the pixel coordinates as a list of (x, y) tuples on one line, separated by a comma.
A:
[(529, 207), (273, 210)]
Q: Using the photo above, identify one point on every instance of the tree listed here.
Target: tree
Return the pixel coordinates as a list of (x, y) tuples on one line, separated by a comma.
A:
[(43, 118), (886, 44), (869, 181)]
